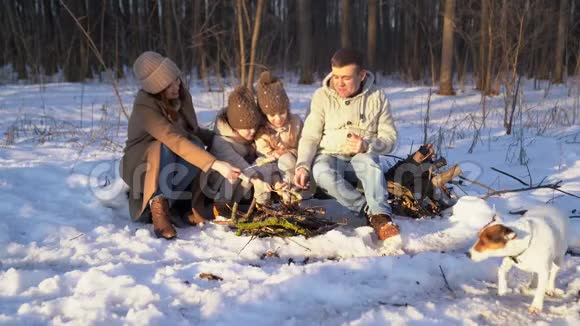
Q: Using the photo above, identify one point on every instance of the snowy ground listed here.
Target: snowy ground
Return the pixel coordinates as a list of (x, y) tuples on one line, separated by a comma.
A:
[(68, 259)]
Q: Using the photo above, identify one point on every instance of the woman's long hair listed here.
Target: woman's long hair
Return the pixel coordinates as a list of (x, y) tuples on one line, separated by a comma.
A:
[(168, 106)]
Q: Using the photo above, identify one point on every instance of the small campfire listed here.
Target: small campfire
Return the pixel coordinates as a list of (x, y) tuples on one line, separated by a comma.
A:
[(280, 221)]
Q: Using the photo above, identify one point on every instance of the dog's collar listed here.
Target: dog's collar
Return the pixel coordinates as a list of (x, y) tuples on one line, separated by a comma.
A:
[(515, 257)]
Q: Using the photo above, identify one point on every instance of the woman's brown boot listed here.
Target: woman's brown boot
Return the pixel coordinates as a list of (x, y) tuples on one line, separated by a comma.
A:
[(195, 218), (162, 218)]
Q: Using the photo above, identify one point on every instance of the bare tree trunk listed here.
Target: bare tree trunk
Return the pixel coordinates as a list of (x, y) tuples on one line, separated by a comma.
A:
[(446, 76), (255, 36), (134, 22), (50, 49), (321, 29), (177, 23), (125, 46), (196, 40), (117, 70), (18, 55), (372, 33), (461, 50), (558, 77), (415, 64), (74, 64), (386, 38), (545, 61), (242, 47), (404, 43), (305, 41), (168, 29), (489, 66), (483, 43), (345, 24)]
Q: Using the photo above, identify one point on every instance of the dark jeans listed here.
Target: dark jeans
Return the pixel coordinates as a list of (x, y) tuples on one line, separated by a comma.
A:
[(175, 175), (174, 181)]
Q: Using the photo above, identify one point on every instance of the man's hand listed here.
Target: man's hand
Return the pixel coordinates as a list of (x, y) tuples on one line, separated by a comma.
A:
[(301, 178), (228, 171), (355, 144)]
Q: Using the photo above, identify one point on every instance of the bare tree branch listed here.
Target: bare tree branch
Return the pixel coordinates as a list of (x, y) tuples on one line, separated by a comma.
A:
[(553, 186), (511, 176)]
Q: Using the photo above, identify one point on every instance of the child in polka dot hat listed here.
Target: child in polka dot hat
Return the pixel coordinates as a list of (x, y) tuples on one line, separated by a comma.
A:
[(277, 139)]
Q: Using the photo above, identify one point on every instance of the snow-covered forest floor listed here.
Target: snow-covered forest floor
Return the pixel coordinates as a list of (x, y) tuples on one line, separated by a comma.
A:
[(71, 255)]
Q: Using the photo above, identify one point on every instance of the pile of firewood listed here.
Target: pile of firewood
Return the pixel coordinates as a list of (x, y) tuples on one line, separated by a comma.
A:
[(417, 184)]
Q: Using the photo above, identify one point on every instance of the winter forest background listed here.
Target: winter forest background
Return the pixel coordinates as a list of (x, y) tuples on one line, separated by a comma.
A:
[(491, 39), (69, 253)]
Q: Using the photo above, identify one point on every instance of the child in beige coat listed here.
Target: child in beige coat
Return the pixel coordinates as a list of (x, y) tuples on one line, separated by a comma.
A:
[(277, 139)]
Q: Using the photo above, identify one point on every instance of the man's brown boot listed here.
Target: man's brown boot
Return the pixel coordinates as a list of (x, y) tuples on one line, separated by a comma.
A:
[(162, 218), (384, 226)]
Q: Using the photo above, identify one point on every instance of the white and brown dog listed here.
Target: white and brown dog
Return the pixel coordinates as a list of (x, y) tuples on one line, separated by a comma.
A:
[(536, 242)]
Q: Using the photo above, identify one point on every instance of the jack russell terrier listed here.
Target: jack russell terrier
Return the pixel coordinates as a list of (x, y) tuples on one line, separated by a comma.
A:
[(536, 243)]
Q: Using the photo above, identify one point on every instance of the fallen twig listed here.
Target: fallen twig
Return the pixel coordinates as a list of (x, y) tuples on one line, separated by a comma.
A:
[(247, 243), (477, 183), (296, 242), (404, 304), (511, 176), (551, 200), (458, 184), (234, 216), (78, 236), (567, 193), (251, 209), (530, 175), (446, 282)]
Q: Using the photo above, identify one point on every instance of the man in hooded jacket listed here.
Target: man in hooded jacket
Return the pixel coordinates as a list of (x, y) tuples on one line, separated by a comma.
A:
[(349, 125)]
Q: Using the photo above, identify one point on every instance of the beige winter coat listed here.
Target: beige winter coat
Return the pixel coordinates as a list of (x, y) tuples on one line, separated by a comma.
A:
[(151, 125), (269, 139), (332, 118)]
